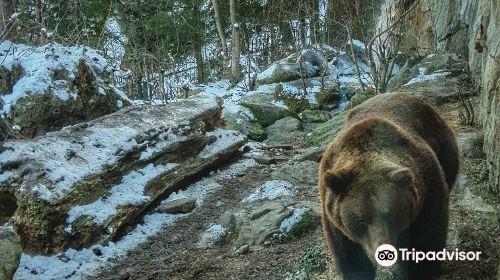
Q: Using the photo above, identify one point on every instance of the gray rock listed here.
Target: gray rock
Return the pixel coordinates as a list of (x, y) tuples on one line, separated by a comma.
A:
[(315, 116), (284, 131), (298, 173), (279, 72), (179, 206), (10, 248), (264, 109), (260, 229)]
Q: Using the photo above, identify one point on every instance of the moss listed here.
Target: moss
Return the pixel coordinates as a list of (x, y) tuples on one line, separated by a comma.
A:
[(360, 97), (477, 172), (313, 261), (326, 131), (327, 98), (307, 222)]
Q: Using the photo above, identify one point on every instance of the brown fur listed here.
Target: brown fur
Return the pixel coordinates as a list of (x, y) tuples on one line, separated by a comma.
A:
[(386, 179)]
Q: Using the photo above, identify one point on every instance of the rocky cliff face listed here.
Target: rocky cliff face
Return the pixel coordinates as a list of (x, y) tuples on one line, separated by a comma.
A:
[(469, 28)]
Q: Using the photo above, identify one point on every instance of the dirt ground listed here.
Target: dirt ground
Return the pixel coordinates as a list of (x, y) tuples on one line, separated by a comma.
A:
[(172, 254)]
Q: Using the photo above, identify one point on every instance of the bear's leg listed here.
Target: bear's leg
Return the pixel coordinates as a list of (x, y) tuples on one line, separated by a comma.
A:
[(350, 259), (429, 234)]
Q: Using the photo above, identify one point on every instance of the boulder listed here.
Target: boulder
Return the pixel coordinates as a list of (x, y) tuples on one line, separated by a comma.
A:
[(360, 97), (315, 116), (265, 109), (88, 183), (445, 62), (279, 72), (242, 120), (325, 133), (284, 131), (359, 50), (178, 206), (298, 173), (328, 99), (10, 248), (74, 85)]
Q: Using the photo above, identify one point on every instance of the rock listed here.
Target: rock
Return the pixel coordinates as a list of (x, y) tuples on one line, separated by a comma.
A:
[(310, 153), (264, 108), (258, 230), (360, 97), (293, 97), (245, 125), (359, 50), (179, 206), (298, 173), (10, 248), (121, 164), (74, 85), (243, 250), (328, 99), (284, 131), (315, 116), (445, 62), (279, 72), (325, 133), (436, 91), (314, 58)]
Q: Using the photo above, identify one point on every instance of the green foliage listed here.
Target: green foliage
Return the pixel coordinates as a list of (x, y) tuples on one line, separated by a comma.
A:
[(307, 222), (78, 21), (313, 261)]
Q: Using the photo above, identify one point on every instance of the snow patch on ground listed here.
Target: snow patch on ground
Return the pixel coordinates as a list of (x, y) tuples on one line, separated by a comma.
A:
[(422, 77), (288, 223), (211, 235), (129, 192), (207, 185), (224, 139), (78, 264), (271, 190)]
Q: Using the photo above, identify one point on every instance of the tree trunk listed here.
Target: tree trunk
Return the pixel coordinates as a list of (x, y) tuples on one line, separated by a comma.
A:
[(197, 43), (7, 9), (220, 30), (235, 49)]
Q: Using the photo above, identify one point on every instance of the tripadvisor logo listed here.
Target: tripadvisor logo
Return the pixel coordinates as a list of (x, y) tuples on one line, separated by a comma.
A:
[(387, 255)]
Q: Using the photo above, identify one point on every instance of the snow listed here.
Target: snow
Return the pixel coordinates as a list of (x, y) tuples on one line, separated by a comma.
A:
[(95, 150), (422, 77), (288, 223), (207, 185), (78, 264), (271, 190), (211, 235), (280, 104), (38, 65), (267, 73), (224, 139), (129, 192), (67, 156), (358, 44)]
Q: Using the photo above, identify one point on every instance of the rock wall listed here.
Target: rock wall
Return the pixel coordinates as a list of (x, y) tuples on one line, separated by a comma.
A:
[(469, 28)]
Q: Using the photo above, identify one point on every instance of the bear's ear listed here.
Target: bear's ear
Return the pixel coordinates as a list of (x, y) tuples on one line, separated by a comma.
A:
[(402, 176), (338, 182)]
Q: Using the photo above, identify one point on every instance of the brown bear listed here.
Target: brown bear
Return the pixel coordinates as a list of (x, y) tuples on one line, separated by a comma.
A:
[(385, 179)]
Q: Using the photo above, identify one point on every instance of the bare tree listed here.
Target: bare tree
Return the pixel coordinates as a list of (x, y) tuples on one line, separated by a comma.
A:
[(220, 30), (235, 42), (7, 9), (385, 45)]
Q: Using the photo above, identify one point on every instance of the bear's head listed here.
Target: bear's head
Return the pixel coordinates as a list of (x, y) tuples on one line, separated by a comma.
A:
[(371, 198)]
